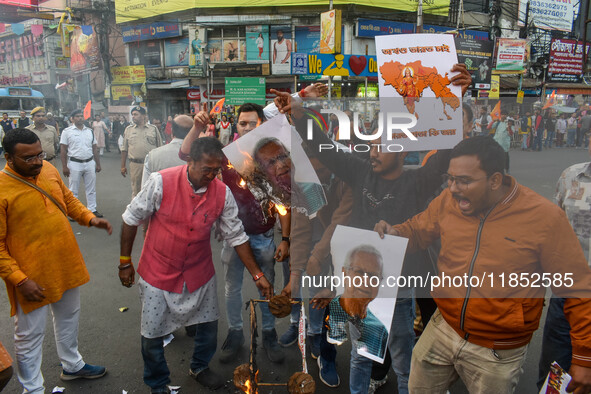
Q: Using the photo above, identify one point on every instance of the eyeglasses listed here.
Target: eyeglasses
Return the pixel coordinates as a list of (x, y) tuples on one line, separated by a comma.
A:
[(251, 124), (209, 170), (271, 163), (41, 156), (461, 182)]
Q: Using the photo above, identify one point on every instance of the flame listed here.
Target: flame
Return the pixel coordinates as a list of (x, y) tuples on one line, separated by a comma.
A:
[(242, 182), (247, 385), (230, 166), (249, 389), (281, 209)]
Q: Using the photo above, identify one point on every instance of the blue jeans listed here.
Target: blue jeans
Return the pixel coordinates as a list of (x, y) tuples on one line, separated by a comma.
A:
[(263, 248), (570, 137), (400, 344), (549, 139), (537, 145), (156, 373), (315, 316), (556, 345)]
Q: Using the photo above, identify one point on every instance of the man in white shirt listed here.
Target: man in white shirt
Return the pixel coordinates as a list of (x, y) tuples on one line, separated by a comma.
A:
[(80, 158)]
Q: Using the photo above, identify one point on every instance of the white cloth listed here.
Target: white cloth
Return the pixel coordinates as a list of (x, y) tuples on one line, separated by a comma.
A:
[(148, 201), (86, 171), (163, 312), (280, 50), (79, 142), (29, 331), (561, 126)]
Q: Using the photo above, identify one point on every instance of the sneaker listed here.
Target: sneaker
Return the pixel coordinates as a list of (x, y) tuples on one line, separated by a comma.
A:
[(86, 372), (376, 384), (314, 343), (271, 346), (98, 214), (231, 346), (207, 378), (290, 336), (328, 373)]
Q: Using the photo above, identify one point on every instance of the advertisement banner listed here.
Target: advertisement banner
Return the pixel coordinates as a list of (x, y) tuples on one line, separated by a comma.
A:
[(565, 61), (307, 39), (176, 52), (299, 63), (150, 31), (130, 10), (372, 27), (214, 48), (128, 75), (495, 87), (281, 48), (197, 39), (339, 65), (477, 56), (257, 44), (245, 90), (520, 95), (330, 31), (84, 50), (121, 91), (548, 14), (511, 55), (146, 53)]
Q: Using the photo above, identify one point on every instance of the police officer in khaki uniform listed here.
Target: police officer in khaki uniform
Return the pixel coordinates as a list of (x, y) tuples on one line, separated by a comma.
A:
[(138, 139), (47, 134)]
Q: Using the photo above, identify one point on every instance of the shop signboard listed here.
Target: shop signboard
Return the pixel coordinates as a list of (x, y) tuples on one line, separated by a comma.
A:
[(245, 90), (566, 60)]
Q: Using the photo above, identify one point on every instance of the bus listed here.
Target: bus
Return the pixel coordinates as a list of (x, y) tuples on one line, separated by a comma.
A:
[(16, 99)]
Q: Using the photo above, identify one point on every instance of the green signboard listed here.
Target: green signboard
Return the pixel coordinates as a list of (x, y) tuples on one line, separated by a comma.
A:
[(245, 90)]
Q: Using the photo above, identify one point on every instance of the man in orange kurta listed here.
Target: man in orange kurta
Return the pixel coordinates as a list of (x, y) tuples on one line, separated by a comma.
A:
[(40, 260)]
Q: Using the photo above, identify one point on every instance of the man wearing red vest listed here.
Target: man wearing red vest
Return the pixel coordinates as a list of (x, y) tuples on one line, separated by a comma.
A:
[(177, 277)]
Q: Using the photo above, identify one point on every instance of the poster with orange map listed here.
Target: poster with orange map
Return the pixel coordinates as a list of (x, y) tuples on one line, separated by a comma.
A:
[(414, 84)]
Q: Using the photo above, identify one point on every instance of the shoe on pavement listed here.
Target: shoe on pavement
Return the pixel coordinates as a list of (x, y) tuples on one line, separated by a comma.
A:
[(86, 372), (376, 384), (98, 214), (328, 373), (231, 346), (290, 336), (272, 348), (314, 342), (207, 378)]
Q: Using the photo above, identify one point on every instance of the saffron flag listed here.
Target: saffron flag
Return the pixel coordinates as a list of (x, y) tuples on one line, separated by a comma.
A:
[(88, 109), (496, 112), (217, 108), (551, 101)]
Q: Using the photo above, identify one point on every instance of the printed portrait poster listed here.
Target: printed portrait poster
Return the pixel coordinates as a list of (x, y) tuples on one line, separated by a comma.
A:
[(257, 44), (176, 52), (231, 51), (197, 39), (146, 53), (414, 72), (281, 48), (84, 50), (214, 47), (275, 168), (355, 253)]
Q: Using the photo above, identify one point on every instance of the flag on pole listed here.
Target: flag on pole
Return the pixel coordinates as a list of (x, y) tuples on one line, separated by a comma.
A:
[(88, 110), (496, 112), (551, 101), (217, 108)]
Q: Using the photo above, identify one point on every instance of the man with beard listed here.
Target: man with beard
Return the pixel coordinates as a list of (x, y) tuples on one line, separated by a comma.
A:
[(363, 262), (273, 161), (40, 260)]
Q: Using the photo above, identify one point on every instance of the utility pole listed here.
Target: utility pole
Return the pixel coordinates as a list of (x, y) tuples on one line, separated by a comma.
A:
[(420, 17)]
